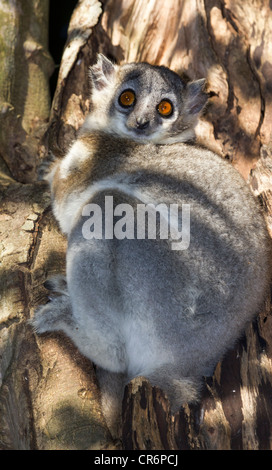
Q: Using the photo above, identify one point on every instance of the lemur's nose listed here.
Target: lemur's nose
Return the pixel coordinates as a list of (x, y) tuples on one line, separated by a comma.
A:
[(142, 123)]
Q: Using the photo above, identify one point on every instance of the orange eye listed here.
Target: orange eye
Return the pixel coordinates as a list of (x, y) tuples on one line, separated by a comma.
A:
[(165, 108), (127, 98)]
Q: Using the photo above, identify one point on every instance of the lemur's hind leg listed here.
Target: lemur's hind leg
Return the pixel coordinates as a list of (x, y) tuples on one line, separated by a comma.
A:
[(57, 315), (93, 331)]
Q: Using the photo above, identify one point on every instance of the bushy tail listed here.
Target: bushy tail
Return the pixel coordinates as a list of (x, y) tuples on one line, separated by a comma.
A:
[(112, 387), (179, 389)]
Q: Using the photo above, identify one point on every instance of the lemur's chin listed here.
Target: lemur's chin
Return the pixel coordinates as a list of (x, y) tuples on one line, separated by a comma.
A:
[(141, 135)]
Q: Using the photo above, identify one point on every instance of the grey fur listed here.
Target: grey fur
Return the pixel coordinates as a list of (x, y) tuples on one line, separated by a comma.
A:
[(138, 308)]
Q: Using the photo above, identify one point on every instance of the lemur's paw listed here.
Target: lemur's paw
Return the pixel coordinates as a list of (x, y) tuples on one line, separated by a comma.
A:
[(57, 284), (44, 318), (54, 316)]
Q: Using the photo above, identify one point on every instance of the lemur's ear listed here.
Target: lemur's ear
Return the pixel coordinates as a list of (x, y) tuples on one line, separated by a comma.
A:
[(195, 96), (102, 73)]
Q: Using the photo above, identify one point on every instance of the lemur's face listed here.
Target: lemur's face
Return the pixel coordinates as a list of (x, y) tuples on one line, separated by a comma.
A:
[(144, 102), (147, 103)]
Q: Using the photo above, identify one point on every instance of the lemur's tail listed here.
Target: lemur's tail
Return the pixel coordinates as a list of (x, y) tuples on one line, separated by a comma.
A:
[(112, 386)]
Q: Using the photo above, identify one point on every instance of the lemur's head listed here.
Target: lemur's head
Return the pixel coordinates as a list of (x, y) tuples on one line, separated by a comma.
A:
[(143, 102)]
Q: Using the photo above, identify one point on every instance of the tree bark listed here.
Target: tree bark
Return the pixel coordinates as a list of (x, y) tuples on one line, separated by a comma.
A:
[(24, 83), (48, 394), (49, 397)]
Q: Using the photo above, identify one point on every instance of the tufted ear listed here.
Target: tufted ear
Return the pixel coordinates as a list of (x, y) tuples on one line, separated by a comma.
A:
[(195, 97), (102, 73)]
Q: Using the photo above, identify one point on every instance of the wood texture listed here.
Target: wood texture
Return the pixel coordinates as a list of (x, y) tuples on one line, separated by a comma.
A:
[(24, 84), (49, 397)]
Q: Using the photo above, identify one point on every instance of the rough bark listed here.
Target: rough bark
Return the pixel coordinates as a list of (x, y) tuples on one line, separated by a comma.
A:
[(49, 397), (48, 394), (24, 88)]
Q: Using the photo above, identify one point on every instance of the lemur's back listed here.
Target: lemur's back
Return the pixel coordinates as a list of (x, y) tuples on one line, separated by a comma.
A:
[(180, 307)]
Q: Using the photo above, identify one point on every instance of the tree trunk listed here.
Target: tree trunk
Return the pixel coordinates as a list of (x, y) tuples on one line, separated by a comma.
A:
[(49, 397)]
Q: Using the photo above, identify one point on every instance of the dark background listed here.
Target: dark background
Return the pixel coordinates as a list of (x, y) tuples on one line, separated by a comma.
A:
[(59, 17)]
